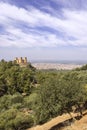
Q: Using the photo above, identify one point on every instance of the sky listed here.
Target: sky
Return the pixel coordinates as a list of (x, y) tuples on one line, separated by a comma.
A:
[(43, 29)]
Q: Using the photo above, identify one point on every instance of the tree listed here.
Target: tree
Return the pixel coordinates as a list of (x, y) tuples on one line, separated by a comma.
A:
[(48, 105), (57, 96)]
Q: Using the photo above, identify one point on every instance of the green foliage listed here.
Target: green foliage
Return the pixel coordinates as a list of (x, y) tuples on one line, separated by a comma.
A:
[(41, 94), (3, 87), (57, 96), (84, 67), (11, 101), (47, 105), (14, 78), (12, 119), (12, 116), (30, 101)]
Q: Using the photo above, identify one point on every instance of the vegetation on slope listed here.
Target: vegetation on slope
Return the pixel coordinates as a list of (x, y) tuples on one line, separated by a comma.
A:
[(29, 97)]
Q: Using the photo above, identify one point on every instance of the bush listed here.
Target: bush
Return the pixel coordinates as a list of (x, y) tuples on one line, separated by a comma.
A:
[(12, 119), (30, 101), (11, 101)]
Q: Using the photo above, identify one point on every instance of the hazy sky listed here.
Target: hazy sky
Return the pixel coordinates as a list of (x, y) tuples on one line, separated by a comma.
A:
[(43, 29)]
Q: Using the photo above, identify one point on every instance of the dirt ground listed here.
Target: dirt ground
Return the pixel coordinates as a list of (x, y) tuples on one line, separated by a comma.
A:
[(78, 125), (58, 122)]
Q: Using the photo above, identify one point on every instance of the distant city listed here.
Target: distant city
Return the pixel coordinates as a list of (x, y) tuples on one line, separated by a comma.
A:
[(80, 62)]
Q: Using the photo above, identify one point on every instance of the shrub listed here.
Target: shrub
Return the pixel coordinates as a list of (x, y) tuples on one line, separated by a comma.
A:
[(12, 119)]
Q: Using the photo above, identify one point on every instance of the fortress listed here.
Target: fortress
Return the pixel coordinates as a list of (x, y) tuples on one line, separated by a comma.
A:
[(21, 61)]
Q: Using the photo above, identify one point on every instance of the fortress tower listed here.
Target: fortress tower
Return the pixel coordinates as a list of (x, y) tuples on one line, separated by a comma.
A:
[(25, 59), (17, 61), (21, 61)]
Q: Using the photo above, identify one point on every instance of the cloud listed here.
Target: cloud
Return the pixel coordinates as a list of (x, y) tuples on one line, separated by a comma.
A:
[(32, 27), (71, 4)]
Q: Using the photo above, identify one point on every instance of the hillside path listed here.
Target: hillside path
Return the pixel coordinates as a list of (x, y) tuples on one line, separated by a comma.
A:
[(53, 122)]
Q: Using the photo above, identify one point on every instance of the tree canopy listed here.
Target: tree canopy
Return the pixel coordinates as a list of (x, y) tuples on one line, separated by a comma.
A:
[(29, 97)]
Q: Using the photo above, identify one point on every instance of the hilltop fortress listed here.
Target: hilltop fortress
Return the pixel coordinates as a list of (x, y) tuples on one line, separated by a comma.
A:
[(21, 61)]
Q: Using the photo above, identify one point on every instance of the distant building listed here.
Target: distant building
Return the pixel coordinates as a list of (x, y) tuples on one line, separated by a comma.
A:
[(21, 61)]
